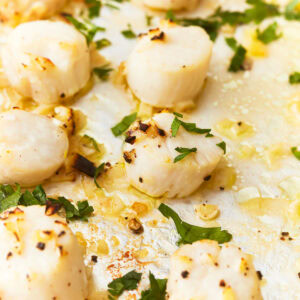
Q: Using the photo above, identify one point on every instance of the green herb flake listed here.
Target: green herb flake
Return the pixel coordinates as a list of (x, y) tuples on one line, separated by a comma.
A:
[(103, 72), (296, 152), (128, 33), (98, 171), (184, 152), (157, 289), (191, 233), (294, 78), (190, 127), (100, 44), (10, 197), (93, 142), (269, 34), (291, 12), (121, 127), (88, 29), (126, 283), (238, 59), (222, 145), (148, 20), (94, 8)]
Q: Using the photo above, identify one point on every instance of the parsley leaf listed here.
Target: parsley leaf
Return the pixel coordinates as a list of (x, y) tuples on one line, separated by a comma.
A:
[(92, 141), (185, 152), (100, 44), (191, 233), (294, 78), (102, 72), (269, 34), (259, 11), (126, 283), (290, 12), (98, 171), (88, 29), (157, 289), (296, 152), (149, 20), (210, 26), (222, 145), (128, 33), (94, 8), (238, 59), (121, 127), (190, 127), (9, 197)]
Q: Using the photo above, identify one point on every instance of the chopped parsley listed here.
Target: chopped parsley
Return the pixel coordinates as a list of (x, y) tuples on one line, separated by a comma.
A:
[(296, 152), (184, 152), (10, 197), (88, 29), (100, 44), (191, 233), (210, 26), (294, 78), (121, 127), (126, 283), (157, 289), (190, 127), (93, 142), (291, 12), (257, 12), (238, 59), (98, 171), (103, 72), (222, 145), (149, 20), (94, 8), (128, 33), (269, 34)]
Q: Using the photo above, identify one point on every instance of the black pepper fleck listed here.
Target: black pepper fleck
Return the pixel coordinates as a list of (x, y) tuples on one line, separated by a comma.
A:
[(207, 178), (41, 246), (130, 140), (259, 275), (94, 258), (161, 132), (222, 283), (185, 274)]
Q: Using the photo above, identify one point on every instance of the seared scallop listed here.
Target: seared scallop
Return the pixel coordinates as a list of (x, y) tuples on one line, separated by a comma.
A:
[(32, 148), (170, 4), (206, 271), (150, 151), (17, 11), (40, 258), (168, 66), (47, 61)]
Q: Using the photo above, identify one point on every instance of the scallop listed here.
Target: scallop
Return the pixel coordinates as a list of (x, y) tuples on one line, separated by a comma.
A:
[(40, 258), (47, 61), (170, 4), (149, 154), (17, 11), (206, 271), (32, 148), (168, 66)]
